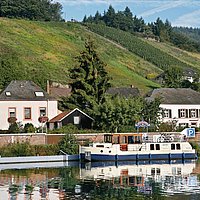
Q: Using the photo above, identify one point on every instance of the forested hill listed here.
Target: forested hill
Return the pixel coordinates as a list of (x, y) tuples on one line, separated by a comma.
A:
[(46, 50)]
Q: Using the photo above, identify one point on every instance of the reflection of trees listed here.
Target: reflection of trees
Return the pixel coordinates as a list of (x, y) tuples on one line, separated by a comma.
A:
[(67, 178), (104, 189)]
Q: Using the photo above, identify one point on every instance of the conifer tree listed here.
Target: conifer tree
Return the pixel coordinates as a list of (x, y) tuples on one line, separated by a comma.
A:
[(89, 80)]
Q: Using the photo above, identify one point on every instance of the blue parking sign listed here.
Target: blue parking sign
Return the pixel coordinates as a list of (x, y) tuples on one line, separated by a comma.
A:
[(191, 132)]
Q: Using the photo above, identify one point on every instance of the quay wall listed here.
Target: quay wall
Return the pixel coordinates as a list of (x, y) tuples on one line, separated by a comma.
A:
[(43, 138)]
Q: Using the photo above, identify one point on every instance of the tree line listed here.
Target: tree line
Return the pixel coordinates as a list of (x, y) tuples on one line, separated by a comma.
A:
[(42, 10), (158, 30)]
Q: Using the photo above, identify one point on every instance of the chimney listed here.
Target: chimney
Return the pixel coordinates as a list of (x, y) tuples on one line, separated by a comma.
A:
[(48, 87)]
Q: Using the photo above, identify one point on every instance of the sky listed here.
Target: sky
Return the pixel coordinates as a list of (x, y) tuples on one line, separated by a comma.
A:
[(184, 13)]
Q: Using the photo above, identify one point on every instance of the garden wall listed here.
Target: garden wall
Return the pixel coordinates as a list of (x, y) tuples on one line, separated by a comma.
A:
[(42, 138)]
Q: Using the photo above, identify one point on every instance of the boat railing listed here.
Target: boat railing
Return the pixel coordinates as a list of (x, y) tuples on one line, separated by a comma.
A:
[(164, 137)]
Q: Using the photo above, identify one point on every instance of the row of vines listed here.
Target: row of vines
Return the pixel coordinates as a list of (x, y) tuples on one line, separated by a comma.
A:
[(138, 46)]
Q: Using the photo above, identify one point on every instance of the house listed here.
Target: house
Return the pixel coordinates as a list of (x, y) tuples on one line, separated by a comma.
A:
[(58, 90), (124, 91), (76, 117), (26, 102), (180, 105), (188, 74)]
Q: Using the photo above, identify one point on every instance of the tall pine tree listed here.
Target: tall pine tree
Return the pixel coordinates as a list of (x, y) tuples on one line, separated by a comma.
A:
[(90, 81)]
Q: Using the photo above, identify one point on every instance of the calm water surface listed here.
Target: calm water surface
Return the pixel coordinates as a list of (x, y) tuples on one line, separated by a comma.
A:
[(110, 180)]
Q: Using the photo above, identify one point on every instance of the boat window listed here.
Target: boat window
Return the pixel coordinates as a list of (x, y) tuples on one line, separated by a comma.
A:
[(179, 171), (153, 171), (137, 139), (172, 146), (108, 138), (116, 140), (151, 146), (158, 171), (178, 146), (132, 180), (157, 146), (123, 140), (130, 139), (139, 180)]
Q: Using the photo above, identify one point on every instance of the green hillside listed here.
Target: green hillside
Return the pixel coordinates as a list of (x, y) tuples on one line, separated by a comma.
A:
[(46, 50)]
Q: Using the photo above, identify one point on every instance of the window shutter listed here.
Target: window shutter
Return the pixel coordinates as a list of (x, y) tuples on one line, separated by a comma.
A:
[(186, 111), (197, 113), (170, 113), (179, 113), (190, 113)]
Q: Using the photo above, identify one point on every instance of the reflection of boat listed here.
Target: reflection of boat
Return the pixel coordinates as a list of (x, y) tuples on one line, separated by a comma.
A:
[(133, 146), (158, 169), (171, 176)]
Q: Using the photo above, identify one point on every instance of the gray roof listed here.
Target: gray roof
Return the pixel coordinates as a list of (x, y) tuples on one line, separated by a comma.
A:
[(175, 96), (125, 92), (23, 91)]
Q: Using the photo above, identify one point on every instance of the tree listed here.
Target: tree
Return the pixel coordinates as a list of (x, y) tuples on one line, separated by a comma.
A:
[(45, 10), (90, 81), (151, 112), (173, 77), (109, 16), (69, 144), (117, 112)]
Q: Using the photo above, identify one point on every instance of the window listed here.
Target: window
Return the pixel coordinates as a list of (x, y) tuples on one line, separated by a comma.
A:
[(167, 113), (8, 93), (178, 146), (42, 111), (151, 146), (130, 139), (12, 112), (158, 171), (172, 146), (153, 171), (182, 113), (76, 120), (39, 94), (116, 139), (193, 113), (157, 146), (27, 113), (123, 139)]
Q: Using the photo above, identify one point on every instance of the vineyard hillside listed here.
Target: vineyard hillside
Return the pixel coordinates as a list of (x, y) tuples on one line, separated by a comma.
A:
[(47, 50)]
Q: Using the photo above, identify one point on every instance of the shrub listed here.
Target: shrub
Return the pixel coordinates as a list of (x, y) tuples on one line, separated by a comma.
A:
[(68, 144), (14, 128), (29, 128), (16, 149)]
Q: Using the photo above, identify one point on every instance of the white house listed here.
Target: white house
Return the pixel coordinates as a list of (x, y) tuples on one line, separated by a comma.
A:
[(26, 102), (181, 105)]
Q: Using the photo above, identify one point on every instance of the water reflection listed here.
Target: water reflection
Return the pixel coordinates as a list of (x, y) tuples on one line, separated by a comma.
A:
[(108, 180)]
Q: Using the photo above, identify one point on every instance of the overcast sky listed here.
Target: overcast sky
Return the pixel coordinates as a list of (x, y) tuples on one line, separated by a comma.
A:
[(178, 12)]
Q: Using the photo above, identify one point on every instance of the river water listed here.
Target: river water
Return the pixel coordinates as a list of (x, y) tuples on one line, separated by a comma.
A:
[(105, 180)]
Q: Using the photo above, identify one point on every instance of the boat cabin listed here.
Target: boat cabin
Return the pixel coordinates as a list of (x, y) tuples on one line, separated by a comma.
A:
[(123, 138)]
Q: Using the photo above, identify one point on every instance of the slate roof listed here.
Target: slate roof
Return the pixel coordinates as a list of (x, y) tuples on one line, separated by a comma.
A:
[(59, 92), (175, 96), (125, 92), (64, 114), (23, 91)]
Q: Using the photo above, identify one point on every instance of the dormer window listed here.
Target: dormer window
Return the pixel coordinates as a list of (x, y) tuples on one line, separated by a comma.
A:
[(39, 94), (8, 93)]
